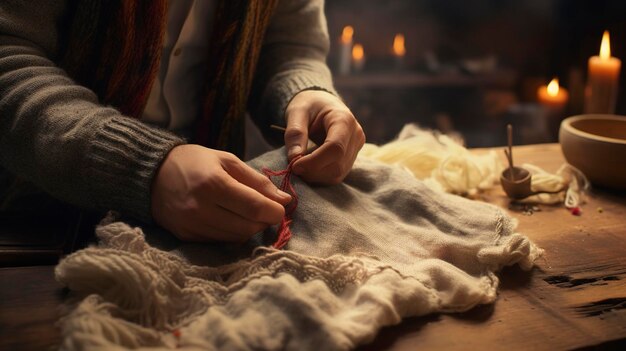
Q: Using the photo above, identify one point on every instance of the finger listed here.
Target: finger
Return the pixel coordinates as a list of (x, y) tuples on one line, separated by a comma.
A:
[(334, 149), (246, 175), (297, 132), (328, 153), (336, 174), (219, 224), (249, 203), (333, 173), (356, 142)]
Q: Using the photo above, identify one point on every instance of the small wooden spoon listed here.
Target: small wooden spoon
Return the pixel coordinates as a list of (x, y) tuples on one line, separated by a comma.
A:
[(516, 183)]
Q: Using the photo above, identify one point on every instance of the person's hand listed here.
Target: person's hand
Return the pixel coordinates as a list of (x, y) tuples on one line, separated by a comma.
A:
[(327, 121), (201, 194)]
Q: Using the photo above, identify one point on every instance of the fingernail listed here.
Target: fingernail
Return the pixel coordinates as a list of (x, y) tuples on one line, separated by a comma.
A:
[(283, 194), (295, 150)]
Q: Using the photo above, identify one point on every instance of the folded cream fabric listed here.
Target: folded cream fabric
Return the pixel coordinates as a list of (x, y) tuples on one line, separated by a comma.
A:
[(364, 254)]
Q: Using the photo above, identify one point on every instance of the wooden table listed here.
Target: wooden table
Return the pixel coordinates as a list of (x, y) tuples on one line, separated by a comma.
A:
[(576, 298)]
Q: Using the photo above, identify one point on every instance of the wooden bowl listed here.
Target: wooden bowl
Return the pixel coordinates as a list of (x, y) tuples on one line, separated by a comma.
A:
[(516, 183), (596, 144)]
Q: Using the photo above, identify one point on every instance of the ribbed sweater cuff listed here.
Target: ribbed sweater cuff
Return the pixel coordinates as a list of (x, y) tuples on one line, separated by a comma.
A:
[(279, 93), (123, 158), (284, 90)]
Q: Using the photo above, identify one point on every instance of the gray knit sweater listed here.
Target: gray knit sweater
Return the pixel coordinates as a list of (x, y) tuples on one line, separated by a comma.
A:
[(55, 133)]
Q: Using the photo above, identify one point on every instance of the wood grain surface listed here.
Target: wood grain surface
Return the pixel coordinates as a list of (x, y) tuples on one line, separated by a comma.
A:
[(574, 299), (30, 302)]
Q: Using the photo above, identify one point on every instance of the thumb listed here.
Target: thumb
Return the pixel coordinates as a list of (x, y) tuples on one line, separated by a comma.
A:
[(297, 133)]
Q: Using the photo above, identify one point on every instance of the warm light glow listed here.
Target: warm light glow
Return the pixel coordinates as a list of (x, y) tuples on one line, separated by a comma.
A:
[(553, 87), (605, 47), (398, 45), (357, 52), (346, 35)]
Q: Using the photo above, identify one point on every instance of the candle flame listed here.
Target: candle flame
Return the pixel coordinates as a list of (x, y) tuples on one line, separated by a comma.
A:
[(605, 47), (398, 45), (553, 87), (346, 34), (358, 52)]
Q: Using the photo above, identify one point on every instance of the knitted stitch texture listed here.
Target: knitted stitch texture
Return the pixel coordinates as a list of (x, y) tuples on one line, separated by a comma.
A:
[(364, 254), (64, 137)]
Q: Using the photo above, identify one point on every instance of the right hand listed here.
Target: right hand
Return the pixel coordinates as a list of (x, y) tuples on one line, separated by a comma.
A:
[(200, 194)]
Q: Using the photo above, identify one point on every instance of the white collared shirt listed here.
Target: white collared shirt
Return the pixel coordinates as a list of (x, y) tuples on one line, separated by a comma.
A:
[(175, 100)]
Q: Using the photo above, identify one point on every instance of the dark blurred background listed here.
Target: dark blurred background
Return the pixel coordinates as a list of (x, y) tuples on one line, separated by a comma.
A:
[(471, 66)]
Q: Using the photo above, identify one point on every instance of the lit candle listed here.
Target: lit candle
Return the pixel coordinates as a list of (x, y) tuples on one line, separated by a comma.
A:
[(345, 48), (554, 99), (358, 57), (399, 50), (602, 80), (553, 96)]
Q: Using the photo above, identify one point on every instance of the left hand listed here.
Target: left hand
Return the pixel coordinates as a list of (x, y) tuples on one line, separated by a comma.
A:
[(325, 119)]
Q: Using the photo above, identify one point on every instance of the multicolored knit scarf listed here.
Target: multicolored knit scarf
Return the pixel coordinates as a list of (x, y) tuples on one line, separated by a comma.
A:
[(114, 48)]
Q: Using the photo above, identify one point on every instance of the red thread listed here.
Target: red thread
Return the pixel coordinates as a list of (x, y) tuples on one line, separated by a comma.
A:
[(284, 232)]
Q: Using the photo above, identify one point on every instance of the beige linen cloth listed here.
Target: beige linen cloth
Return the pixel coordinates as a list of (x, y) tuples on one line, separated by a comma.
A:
[(364, 254)]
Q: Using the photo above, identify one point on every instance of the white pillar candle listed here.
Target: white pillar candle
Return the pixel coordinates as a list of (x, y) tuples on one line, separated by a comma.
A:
[(358, 58), (602, 80), (553, 96), (554, 99), (399, 50), (345, 50)]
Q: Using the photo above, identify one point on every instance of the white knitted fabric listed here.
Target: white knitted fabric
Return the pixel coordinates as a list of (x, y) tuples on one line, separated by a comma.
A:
[(364, 254)]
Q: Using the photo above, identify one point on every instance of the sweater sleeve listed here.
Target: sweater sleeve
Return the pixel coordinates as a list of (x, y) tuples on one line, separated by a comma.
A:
[(55, 133), (293, 59)]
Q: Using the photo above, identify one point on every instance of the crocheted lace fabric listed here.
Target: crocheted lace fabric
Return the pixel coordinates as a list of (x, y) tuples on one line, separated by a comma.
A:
[(364, 254)]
